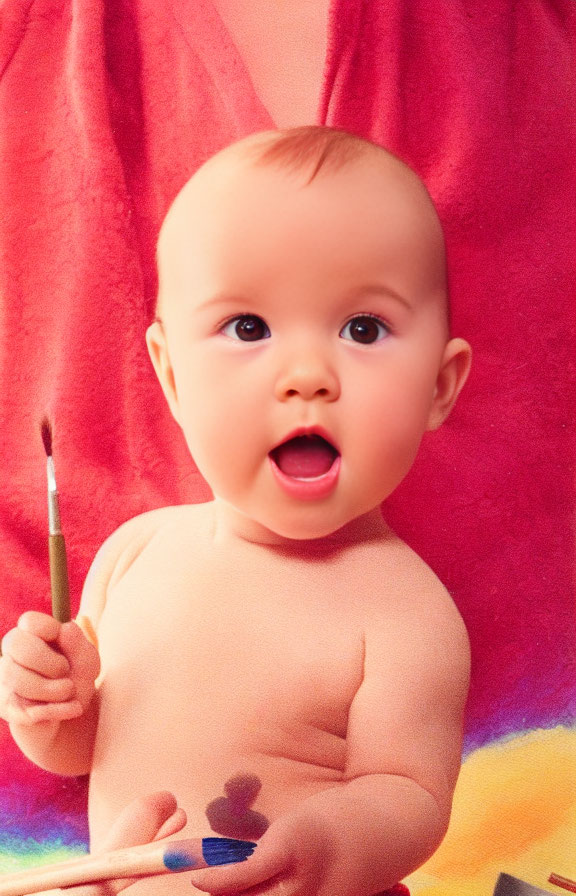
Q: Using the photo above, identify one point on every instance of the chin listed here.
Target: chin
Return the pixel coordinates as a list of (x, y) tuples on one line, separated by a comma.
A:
[(306, 526), (309, 533)]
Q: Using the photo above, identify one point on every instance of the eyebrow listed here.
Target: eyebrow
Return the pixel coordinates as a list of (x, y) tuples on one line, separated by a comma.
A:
[(365, 290), (222, 299), (384, 291)]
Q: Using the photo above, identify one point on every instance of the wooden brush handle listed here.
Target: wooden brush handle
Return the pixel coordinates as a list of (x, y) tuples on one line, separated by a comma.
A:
[(59, 578)]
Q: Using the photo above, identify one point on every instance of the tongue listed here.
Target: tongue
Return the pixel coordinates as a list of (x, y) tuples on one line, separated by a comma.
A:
[(305, 457)]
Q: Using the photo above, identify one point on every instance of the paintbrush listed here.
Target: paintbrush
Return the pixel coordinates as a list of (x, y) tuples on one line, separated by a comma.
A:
[(56, 544), (564, 882), (135, 861)]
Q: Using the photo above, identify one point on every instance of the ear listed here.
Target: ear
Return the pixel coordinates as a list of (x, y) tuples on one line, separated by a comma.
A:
[(452, 375), (160, 357)]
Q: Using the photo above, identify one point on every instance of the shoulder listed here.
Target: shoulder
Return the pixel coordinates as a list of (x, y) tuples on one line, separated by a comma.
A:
[(429, 599), (130, 542), (401, 570), (410, 606)]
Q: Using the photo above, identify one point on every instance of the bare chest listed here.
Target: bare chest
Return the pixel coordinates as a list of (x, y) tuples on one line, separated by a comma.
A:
[(246, 655)]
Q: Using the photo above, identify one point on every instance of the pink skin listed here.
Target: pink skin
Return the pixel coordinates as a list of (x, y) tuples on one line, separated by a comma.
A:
[(358, 244)]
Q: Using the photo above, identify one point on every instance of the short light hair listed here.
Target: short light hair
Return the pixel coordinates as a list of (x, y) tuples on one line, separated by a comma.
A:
[(313, 147)]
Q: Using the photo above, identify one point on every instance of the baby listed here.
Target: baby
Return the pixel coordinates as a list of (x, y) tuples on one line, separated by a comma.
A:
[(277, 658)]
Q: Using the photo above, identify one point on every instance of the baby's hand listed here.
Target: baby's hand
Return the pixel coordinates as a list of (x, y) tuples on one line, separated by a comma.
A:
[(47, 671), (295, 857), (146, 820)]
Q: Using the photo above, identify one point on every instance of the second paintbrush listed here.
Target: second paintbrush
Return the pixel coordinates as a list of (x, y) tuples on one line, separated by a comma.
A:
[(56, 544), (136, 861)]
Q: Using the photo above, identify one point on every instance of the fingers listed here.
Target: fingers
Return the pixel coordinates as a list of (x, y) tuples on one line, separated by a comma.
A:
[(40, 624), (34, 654), (172, 825), (32, 686), (145, 820), (27, 698), (35, 678), (83, 657), (23, 713)]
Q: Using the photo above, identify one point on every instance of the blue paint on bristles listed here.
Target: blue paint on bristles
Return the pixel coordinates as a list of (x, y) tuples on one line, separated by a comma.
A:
[(215, 851), (225, 851)]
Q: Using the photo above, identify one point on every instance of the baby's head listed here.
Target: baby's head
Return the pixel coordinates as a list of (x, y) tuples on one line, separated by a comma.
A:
[(302, 338)]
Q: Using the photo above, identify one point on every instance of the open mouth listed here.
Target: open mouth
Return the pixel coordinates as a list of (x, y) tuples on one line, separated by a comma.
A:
[(305, 457)]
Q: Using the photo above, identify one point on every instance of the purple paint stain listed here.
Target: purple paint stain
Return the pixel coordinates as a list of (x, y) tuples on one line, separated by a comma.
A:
[(231, 815)]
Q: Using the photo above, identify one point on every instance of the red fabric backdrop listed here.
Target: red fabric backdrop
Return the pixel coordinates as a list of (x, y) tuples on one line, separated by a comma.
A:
[(108, 106)]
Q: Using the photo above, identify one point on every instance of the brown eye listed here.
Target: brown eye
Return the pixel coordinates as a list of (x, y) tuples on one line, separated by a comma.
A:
[(247, 328), (364, 329)]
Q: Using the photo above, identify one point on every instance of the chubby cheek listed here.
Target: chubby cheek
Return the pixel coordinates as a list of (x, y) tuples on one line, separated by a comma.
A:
[(384, 448), (225, 443)]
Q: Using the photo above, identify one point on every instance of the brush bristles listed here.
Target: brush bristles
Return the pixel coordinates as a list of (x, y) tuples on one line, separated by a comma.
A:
[(225, 851), (46, 431)]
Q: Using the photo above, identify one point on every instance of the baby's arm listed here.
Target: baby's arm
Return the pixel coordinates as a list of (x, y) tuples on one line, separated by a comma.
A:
[(47, 692), (48, 674), (393, 807)]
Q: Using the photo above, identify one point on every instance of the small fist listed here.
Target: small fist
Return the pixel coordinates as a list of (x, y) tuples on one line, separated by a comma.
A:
[(47, 671)]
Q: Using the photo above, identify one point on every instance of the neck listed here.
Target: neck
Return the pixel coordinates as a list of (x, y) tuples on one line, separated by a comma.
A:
[(231, 523)]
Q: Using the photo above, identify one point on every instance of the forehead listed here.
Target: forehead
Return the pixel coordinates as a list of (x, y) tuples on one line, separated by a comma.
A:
[(238, 172), (236, 205)]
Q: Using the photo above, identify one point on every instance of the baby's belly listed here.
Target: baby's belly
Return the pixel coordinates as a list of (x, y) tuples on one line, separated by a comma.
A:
[(232, 776), (245, 713), (234, 761)]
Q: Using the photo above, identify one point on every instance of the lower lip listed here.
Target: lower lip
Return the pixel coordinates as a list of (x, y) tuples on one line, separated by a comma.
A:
[(308, 489)]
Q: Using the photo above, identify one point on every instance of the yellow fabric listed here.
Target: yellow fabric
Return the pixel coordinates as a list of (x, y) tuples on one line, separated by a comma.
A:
[(514, 812)]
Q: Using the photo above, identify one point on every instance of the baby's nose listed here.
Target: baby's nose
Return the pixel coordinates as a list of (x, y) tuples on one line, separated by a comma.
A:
[(308, 376)]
